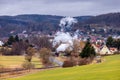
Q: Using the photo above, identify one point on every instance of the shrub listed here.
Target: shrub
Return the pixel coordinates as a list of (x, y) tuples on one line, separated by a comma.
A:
[(117, 52), (84, 61), (44, 55), (6, 51), (28, 58), (29, 53), (68, 63), (1, 68), (28, 65)]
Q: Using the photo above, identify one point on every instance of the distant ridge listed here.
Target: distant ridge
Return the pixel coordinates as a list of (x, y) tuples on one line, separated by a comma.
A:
[(50, 23)]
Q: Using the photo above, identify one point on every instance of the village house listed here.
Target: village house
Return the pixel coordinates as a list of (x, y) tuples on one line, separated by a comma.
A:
[(97, 48), (105, 51)]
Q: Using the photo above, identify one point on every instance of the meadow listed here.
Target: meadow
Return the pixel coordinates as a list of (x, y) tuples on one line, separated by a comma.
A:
[(107, 70), (17, 61)]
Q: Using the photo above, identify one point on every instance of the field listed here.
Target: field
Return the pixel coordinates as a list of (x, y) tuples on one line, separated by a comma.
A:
[(16, 61), (107, 70)]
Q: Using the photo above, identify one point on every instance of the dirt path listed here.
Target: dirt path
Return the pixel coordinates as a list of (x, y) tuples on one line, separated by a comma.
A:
[(16, 74)]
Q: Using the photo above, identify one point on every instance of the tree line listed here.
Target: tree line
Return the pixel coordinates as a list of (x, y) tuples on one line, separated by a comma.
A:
[(111, 42)]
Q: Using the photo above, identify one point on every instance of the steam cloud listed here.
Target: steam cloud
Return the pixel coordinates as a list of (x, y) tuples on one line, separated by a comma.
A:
[(64, 36), (67, 23)]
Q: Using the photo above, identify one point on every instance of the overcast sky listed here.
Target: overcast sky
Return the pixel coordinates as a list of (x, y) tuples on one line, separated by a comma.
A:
[(59, 7)]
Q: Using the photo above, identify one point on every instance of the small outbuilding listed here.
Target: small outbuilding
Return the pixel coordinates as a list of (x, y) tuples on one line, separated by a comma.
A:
[(63, 47)]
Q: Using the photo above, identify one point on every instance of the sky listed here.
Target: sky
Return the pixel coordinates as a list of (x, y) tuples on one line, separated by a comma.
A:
[(59, 7)]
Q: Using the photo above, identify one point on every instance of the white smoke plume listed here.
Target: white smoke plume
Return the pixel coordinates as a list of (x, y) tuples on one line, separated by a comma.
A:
[(64, 36), (67, 23), (76, 34)]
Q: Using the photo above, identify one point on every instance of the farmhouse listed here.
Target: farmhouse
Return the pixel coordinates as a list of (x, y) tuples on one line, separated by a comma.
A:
[(105, 50), (97, 48)]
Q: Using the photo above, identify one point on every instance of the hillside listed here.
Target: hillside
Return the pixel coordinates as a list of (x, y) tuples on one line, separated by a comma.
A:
[(19, 23), (108, 70), (30, 23), (12, 25), (111, 19)]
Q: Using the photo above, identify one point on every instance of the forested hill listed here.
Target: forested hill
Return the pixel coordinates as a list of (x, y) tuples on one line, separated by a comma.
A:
[(33, 22), (50, 23), (111, 19), (30, 23)]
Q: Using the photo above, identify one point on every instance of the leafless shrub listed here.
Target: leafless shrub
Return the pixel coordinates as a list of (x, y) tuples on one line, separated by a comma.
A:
[(28, 65), (84, 61), (44, 55), (68, 63), (41, 42)]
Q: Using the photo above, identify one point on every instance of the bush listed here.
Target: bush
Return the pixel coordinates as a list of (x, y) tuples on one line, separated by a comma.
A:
[(29, 53), (5, 51), (44, 55), (117, 52), (85, 61), (28, 58), (1, 68), (28, 65), (68, 64)]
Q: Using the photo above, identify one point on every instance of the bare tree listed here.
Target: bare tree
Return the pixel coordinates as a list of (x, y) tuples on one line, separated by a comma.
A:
[(41, 42), (19, 47), (76, 48), (29, 53), (44, 55)]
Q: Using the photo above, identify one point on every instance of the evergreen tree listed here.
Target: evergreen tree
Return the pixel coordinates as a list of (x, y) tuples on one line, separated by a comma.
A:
[(16, 38), (10, 40), (88, 50), (117, 44), (93, 53), (109, 42)]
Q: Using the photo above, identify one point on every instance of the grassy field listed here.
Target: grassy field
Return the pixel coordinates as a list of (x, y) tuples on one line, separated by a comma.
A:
[(16, 61), (108, 70)]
